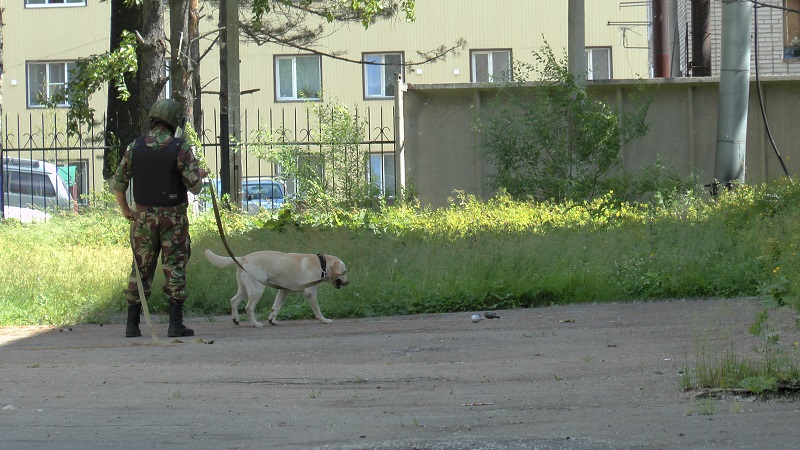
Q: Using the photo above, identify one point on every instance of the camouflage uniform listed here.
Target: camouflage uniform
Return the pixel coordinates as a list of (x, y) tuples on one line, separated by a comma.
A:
[(160, 229)]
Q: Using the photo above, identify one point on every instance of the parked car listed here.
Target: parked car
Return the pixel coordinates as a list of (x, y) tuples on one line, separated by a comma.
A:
[(24, 215), (33, 184), (258, 193)]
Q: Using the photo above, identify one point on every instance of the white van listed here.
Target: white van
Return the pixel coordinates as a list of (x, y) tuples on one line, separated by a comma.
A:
[(34, 184)]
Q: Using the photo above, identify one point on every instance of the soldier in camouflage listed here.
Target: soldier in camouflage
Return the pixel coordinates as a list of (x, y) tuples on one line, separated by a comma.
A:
[(163, 169)]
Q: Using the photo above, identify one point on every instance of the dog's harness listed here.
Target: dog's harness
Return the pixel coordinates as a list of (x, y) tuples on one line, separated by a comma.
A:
[(322, 260)]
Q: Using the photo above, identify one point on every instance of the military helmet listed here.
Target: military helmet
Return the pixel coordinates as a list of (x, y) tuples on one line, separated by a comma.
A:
[(167, 111)]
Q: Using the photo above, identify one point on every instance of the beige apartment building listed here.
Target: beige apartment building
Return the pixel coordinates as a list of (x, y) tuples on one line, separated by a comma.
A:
[(44, 37)]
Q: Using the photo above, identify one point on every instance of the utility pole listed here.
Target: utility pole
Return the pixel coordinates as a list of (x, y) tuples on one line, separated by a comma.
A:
[(576, 41), (676, 69), (229, 100), (734, 92)]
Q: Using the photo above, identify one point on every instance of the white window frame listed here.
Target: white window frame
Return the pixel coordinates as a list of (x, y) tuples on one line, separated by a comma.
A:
[(379, 68), (491, 54), (591, 54), (55, 4), (380, 164), (295, 89), (50, 86)]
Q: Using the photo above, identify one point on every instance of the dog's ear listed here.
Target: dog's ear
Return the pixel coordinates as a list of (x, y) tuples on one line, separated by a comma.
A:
[(338, 267)]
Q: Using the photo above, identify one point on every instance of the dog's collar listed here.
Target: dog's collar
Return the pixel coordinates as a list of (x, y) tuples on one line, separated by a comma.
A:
[(323, 265)]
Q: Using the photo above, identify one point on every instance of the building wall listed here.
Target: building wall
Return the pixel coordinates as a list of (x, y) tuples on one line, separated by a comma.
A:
[(68, 33), (49, 34), (519, 25)]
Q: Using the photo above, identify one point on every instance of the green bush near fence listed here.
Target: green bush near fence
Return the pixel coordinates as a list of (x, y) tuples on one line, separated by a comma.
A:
[(473, 255)]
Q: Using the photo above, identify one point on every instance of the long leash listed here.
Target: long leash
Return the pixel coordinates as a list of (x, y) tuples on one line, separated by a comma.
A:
[(143, 299), (267, 283)]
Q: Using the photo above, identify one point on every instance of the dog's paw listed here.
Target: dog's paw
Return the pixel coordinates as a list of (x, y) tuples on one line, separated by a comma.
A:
[(273, 322), (235, 321), (258, 324), (326, 320)]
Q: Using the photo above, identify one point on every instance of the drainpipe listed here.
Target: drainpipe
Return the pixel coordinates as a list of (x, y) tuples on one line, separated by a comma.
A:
[(734, 92), (400, 134), (674, 41), (661, 32), (701, 38)]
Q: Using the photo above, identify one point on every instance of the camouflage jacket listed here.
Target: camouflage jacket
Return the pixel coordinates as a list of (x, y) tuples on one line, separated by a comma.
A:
[(159, 137)]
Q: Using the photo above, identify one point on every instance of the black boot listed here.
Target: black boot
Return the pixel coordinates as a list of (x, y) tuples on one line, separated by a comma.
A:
[(176, 326), (134, 314)]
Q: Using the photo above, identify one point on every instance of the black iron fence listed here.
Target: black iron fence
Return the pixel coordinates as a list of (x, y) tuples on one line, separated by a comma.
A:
[(46, 168)]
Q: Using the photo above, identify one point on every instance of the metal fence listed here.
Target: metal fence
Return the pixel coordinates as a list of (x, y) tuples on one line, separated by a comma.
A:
[(39, 155)]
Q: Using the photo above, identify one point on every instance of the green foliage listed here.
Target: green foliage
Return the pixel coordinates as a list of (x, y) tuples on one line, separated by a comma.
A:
[(91, 75), (767, 371), (554, 142), (411, 259), (330, 175), (363, 10)]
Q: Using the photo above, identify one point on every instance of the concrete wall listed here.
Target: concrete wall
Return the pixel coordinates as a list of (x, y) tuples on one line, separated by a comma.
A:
[(440, 140)]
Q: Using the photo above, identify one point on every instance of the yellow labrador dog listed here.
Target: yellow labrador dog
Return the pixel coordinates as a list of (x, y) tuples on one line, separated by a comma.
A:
[(287, 272)]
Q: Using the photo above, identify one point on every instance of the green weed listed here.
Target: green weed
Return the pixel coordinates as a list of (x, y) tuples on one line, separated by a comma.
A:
[(409, 259)]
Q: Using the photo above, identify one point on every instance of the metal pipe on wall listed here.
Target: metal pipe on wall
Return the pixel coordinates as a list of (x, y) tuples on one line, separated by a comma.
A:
[(734, 92), (661, 39)]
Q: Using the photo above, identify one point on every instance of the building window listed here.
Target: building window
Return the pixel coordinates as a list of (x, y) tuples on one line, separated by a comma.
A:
[(380, 80), (53, 3), (791, 26), (45, 80), (381, 172), (298, 77), (491, 66), (598, 61)]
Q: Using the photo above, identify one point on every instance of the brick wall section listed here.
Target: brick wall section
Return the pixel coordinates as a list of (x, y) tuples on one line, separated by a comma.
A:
[(770, 42)]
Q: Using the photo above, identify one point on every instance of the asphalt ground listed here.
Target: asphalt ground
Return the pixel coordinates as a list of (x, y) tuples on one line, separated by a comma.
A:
[(566, 377)]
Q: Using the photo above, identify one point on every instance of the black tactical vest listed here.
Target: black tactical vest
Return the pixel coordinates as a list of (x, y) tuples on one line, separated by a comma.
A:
[(156, 180)]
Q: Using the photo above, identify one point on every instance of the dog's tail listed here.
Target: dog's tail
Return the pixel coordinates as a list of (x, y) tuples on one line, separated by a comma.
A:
[(219, 261)]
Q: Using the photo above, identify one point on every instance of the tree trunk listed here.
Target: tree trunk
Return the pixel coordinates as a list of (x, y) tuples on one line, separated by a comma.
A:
[(197, 85), (223, 57), (2, 130), (1, 81), (128, 119), (123, 121), (180, 67), (151, 55)]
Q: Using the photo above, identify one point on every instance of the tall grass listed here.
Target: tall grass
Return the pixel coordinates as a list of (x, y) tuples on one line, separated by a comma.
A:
[(472, 255)]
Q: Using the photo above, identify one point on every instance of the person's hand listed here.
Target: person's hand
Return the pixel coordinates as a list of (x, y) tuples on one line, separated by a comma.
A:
[(128, 214), (203, 172)]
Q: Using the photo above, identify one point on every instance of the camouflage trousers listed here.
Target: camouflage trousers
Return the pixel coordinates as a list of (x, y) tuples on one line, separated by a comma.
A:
[(164, 231)]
